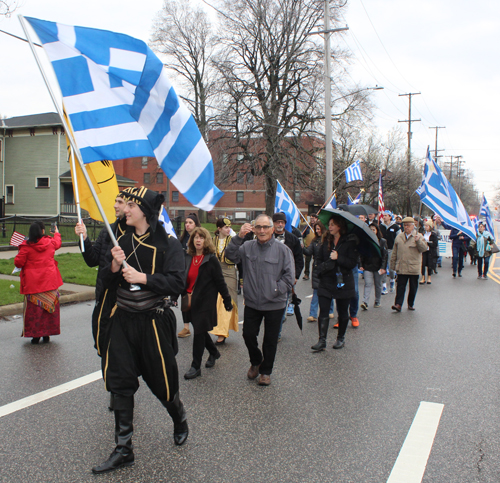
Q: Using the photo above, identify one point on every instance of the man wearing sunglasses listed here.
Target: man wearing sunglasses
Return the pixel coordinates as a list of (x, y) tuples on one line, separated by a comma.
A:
[(268, 276)]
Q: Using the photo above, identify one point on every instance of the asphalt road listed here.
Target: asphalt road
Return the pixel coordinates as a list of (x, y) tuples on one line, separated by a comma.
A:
[(336, 416)]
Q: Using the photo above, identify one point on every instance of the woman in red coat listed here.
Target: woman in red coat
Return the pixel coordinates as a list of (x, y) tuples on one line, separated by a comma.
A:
[(40, 279)]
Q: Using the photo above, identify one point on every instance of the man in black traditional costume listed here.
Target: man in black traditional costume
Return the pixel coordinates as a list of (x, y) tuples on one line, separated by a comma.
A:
[(142, 336)]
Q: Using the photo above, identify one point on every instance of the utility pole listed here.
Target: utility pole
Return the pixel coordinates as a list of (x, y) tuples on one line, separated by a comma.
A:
[(459, 173), (436, 143), (409, 121)]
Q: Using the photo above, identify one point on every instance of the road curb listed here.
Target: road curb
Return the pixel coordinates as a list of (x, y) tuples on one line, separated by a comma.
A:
[(15, 309)]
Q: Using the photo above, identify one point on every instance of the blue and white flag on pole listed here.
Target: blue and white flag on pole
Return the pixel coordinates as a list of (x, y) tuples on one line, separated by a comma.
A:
[(332, 203), (485, 211), (164, 219), (437, 193), (122, 105), (283, 203), (355, 201), (353, 172)]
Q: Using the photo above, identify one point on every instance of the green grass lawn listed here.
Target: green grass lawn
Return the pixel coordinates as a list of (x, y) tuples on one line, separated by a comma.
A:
[(10, 295), (71, 265)]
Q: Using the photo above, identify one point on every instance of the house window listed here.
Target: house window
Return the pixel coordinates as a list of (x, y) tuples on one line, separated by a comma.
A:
[(159, 178), (175, 196), (42, 182), (147, 178), (240, 196), (240, 177), (9, 194), (249, 178), (144, 163), (297, 196)]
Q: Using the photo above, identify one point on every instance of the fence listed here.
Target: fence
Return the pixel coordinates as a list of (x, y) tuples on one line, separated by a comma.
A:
[(65, 224)]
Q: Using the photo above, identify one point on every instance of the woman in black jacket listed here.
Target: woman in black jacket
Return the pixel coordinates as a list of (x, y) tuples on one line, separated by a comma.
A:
[(336, 260), (312, 251), (429, 257), (374, 269), (204, 282)]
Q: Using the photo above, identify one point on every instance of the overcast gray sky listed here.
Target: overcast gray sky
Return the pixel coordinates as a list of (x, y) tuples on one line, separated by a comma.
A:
[(446, 49)]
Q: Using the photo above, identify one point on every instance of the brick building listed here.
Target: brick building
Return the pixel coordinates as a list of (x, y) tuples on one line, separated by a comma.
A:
[(234, 167)]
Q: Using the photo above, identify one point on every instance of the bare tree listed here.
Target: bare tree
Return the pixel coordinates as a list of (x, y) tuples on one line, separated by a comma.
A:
[(183, 34), (7, 7), (272, 72)]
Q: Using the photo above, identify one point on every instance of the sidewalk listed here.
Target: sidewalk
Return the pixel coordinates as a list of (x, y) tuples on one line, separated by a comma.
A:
[(79, 293)]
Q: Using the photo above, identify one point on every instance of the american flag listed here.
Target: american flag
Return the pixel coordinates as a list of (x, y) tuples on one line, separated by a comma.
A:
[(16, 239), (381, 207)]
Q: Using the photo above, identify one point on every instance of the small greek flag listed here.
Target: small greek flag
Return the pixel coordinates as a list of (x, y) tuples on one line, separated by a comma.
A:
[(332, 203), (283, 203), (122, 105), (353, 172), (485, 211), (165, 221)]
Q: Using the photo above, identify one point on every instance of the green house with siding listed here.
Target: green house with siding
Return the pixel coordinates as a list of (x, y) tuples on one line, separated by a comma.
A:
[(35, 168)]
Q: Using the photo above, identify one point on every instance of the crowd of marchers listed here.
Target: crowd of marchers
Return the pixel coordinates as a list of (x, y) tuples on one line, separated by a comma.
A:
[(144, 273)]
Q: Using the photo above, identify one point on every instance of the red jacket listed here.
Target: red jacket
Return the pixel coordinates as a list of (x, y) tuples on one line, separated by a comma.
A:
[(39, 269)]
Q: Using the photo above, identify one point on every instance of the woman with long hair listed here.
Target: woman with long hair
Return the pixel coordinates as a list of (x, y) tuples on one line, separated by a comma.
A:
[(40, 280), (336, 260), (225, 320), (312, 250), (374, 269), (430, 256), (190, 223), (204, 282)]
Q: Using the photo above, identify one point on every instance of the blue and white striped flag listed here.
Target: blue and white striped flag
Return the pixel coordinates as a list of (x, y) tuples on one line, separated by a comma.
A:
[(485, 211), (353, 172), (437, 193), (332, 203), (164, 219), (122, 105), (283, 203)]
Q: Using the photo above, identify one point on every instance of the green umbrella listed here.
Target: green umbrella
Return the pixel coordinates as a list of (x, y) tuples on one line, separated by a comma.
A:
[(368, 241)]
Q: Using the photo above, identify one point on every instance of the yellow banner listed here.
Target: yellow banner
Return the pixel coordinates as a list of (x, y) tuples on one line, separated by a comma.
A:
[(103, 177)]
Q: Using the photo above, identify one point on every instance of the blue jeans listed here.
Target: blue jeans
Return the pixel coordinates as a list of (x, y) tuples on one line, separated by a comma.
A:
[(313, 310), (354, 302)]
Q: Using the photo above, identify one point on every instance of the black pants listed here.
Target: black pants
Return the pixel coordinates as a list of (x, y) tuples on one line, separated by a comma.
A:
[(427, 263), (251, 327), (342, 311), (307, 265), (401, 283), (142, 344), (200, 342)]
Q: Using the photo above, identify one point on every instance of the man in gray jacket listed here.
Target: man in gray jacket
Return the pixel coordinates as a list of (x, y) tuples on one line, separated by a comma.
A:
[(268, 275)]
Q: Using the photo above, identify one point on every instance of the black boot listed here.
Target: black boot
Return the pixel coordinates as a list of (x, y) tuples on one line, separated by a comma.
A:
[(178, 414), (323, 332), (339, 343), (123, 454)]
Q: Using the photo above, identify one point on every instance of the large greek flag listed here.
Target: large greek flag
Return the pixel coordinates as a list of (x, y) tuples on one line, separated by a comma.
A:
[(122, 105), (485, 211), (437, 193), (283, 203), (353, 172)]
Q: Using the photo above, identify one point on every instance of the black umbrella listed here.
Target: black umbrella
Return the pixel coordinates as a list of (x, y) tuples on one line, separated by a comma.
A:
[(359, 209), (296, 302), (368, 241)]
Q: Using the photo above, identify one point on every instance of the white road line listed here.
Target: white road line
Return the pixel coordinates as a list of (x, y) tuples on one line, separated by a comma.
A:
[(309, 296), (48, 394), (240, 322), (412, 459)]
